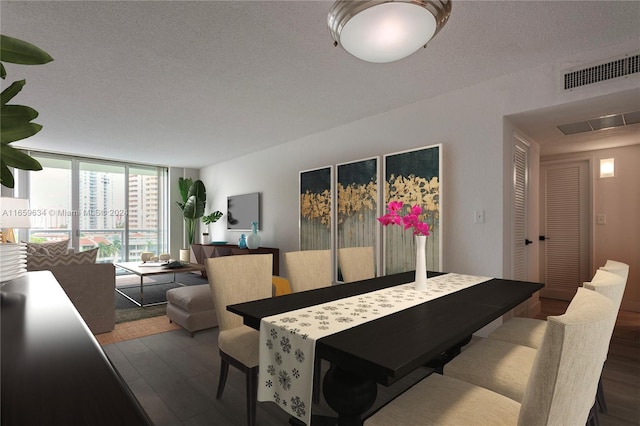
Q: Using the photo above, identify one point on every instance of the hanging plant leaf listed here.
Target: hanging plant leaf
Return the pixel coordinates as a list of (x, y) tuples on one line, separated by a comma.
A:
[(21, 52), (15, 120), (12, 116), (19, 133), (6, 178), (15, 158), (8, 93)]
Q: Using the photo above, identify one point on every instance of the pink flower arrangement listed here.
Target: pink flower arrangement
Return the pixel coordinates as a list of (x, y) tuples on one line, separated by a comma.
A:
[(408, 221)]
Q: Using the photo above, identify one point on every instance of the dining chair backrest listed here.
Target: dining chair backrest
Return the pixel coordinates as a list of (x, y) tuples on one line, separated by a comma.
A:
[(237, 279), (616, 267), (356, 263), (609, 284), (308, 269), (562, 384)]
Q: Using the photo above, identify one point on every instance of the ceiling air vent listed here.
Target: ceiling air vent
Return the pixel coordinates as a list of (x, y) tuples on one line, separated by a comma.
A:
[(601, 123), (616, 68)]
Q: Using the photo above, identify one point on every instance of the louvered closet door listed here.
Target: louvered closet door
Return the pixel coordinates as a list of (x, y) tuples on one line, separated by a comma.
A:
[(520, 208), (566, 227)]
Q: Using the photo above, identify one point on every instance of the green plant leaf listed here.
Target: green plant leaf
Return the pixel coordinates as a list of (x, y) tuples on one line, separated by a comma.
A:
[(15, 120), (193, 208), (8, 93), (19, 133), (6, 178), (15, 158), (184, 184), (212, 218), (198, 190), (12, 116), (18, 51)]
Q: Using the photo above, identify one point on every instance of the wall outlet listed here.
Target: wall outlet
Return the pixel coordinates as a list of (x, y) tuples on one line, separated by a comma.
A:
[(478, 216), (601, 219)]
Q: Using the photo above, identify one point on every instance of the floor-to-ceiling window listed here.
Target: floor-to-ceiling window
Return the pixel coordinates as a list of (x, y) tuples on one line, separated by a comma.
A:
[(116, 207), (50, 195)]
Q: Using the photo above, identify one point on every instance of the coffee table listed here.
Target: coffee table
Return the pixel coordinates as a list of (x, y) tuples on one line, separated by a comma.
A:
[(150, 269)]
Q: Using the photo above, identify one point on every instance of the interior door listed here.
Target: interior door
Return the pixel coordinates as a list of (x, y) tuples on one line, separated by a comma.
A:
[(520, 208), (565, 217)]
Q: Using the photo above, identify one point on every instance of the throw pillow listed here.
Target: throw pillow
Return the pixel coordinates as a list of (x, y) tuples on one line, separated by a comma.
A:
[(53, 248), (38, 262)]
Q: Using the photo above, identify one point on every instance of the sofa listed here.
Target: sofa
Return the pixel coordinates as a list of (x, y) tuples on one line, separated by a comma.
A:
[(90, 286)]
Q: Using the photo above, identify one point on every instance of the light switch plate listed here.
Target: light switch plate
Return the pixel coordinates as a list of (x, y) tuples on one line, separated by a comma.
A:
[(478, 216), (601, 219)]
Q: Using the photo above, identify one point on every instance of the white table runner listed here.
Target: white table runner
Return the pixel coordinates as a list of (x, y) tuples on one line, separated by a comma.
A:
[(287, 341)]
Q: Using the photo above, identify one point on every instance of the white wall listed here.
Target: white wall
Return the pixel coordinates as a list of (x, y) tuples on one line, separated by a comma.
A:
[(476, 169)]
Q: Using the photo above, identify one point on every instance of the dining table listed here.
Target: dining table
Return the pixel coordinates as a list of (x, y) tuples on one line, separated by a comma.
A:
[(385, 349)]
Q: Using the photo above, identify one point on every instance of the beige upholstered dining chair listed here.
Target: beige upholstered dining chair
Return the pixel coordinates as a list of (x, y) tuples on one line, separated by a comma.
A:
[(529, 331), (505, 367), (616, 267), (559, 391), (237, 279), (308, 269), (356, 263)]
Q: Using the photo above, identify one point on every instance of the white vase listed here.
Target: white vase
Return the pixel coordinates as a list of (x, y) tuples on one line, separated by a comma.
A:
[(185, 255), (421, 263), (253, 240)]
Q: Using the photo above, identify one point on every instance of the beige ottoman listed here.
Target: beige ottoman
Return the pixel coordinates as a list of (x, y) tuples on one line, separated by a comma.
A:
[(191, 307)]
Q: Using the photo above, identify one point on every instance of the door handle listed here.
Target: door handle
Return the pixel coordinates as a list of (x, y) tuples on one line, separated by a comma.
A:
[(527, 242), (542, 238)]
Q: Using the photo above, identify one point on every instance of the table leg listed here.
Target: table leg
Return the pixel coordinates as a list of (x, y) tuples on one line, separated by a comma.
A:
[(349, 394), (141, 292)]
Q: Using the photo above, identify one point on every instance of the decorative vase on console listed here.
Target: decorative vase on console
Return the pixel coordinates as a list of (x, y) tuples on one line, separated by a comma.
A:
[(253, 240), (242, 242)]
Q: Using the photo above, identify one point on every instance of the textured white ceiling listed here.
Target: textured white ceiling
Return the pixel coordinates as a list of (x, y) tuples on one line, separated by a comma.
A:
[(190, 84)]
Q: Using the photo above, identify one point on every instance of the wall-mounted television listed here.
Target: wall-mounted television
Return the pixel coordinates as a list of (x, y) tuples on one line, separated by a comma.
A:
[(242, 210)]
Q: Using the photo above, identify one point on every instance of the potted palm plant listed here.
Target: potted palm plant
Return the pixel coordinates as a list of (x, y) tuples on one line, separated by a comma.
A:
[(194, 197)]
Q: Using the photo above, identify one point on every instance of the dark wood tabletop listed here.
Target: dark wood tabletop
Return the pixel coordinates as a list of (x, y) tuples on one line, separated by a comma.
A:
[(391, 347), (54, 372)]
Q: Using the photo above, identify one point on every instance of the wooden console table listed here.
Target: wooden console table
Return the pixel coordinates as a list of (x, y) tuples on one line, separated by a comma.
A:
[(53, 369), (200, 252)]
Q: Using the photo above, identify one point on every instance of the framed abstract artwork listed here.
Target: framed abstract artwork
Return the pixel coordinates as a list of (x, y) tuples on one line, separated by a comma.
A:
[(357, 206), (316, 208), (413, 177)]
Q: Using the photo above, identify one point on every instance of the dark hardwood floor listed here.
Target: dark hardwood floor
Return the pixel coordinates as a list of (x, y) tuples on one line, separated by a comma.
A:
[(175, 377)]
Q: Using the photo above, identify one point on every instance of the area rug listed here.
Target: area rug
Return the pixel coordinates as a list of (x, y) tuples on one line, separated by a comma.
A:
[(135, 329)]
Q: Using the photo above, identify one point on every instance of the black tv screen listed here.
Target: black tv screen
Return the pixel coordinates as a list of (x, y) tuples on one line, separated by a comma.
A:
[(242, 210)]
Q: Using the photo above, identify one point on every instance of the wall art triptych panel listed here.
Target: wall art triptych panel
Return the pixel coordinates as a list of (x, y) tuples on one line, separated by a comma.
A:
[(315, 209), (345, 211), (358, 195), (413, 177)]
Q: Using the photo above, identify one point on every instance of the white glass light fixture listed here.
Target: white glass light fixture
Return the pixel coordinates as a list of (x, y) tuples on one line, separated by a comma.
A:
[(383, 31), (607, 168)]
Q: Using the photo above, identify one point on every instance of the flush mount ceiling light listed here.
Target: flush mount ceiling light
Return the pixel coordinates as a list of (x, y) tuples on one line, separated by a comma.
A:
[(386, 30)]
